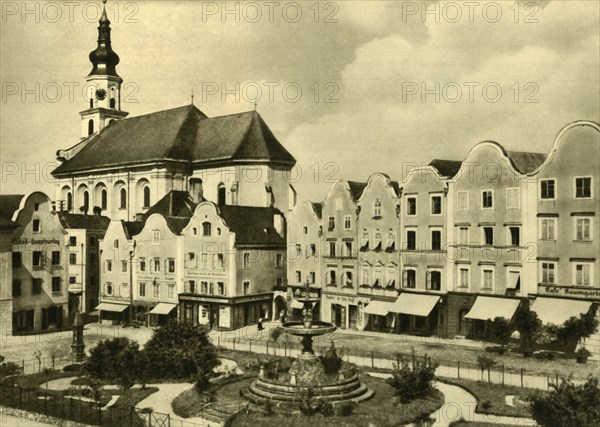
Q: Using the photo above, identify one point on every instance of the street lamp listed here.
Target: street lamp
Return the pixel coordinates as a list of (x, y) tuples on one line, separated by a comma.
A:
[(131, 253)]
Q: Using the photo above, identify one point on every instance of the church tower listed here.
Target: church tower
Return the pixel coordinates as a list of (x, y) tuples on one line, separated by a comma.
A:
[(103, 84)]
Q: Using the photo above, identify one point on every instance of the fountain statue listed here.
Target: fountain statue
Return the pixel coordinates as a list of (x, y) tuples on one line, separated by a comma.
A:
[(307, 371)]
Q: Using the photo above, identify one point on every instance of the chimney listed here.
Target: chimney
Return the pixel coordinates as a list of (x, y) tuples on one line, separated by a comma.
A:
[(278, 224), (196, 190), (97, 211)]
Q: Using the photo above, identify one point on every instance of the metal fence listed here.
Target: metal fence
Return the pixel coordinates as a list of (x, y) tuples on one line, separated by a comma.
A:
[(380, 360), (34, 366)]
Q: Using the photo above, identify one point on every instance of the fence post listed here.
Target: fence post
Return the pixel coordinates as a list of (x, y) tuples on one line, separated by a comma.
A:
[(521, 377), (168, 420), (372, 359), (503, 374), (250, 345), (234, 343), (556, 379), (267, 346), (458, 365), (53, 362), (285, 349), (23, 366)]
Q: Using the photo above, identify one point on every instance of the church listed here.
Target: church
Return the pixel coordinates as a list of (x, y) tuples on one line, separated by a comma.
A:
[(123, 165)]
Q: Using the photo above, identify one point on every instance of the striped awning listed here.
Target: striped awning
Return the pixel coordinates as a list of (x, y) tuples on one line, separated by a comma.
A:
[(559, 310), (107, 306), (378, 308), (163, 308), (415, 304), (488, 308)]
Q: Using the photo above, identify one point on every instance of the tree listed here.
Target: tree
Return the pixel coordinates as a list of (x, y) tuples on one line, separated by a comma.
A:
[(181, 351), (415, 380), (568, 405), (502, 331), (528, 325), (485, 363), (574, 329), (114, 360)]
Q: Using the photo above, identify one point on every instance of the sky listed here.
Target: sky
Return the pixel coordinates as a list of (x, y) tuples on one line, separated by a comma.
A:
[(350, 88)]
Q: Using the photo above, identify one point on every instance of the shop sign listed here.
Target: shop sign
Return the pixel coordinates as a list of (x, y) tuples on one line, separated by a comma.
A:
[(569, 291)]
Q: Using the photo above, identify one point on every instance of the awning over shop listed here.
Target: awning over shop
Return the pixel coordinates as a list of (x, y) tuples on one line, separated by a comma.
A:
[(414, 304), (379, 308), (162, 308), (558, 310), (107, 306), (489, 308)]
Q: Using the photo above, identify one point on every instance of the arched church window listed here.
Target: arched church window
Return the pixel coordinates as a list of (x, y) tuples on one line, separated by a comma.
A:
[(112, 103), (221, 194), (123, 199), (69, 201), (91, 102), (146, 197), (86, 201), (103, 199), (91, 127)]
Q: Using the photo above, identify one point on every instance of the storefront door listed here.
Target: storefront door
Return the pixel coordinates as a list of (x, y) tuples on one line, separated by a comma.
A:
[(214, 316), (353, 316)]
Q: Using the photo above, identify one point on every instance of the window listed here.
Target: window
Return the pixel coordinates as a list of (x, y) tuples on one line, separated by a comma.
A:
[(123, 266), (55, 257), (92, 242), (377, 242), (548, 228), (332, 249), (462, 200), (436, 205), (123, 199), (463, 235), (515, 236), (246, 288), (16, 288), (142, 262), (206, 228), (171, 291), (156, 237), (86, 201), (171, 265), (378, 276), (409, 279), (221, 260), (16, 259), (547, 189), (464, 277), (108, 265), (72, 259), (513, 198), (298, 249), (347, 222), (72, 280), (391, 277), (146, 192), (311, 277), (488, 235), (36, 286), (305, 230), (348, 278), (37, 225), (116, 243), (221, 194), (220, 288), (142, 289), (487, 199), (377, 208), (218, 231), (411, 240), (347, 249), (583, 274), (436, 240), (192, 261), (331, 277), (434, 280), (36, 207), (583, 229), (204, 260), (69, 201), (583, 188), (411, 206), (246, 260), (338, 204), (56, 284), (391, 241), (108, 288), (365, 276), (37, 259), (72, 240), (156, 265), (156, 290), (312, 249), (91, 122), (103, 199), (364, 240), (204, 287), (298, 276), (488, 279), (331, 223)]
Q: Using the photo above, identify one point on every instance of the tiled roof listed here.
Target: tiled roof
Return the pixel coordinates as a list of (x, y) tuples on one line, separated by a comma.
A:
[(80, 221), (132, 228), (173, 204), (526, 162), (446, 168), (356, 188), (9, 203), (181, 134), (318, 208), (7, 225), (396, 188), (252, 225)]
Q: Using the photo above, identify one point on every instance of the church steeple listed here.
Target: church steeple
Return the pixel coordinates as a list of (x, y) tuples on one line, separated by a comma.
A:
[(104, 84), (103, 58)]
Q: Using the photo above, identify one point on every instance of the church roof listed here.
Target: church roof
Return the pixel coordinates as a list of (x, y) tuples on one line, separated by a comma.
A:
[(184, 135), (9, 203), (81, 221)]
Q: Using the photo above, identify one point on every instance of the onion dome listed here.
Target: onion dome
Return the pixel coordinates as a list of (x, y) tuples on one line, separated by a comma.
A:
[(103, 58)]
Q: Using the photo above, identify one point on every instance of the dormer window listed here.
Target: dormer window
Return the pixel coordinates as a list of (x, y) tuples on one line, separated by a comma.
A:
[(377, 209), (206, 228)]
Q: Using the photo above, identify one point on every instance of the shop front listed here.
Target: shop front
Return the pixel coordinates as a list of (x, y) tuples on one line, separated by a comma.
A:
[(162, 313), (380, 317), (485, 310), (112, 313), (344, 311), (417, 314)]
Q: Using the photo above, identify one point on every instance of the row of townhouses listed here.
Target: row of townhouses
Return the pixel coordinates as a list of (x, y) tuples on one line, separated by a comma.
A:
[(175, 214), (457, 243)]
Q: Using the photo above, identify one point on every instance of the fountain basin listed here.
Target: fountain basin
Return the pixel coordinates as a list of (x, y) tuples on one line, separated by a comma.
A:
[(317, 328)]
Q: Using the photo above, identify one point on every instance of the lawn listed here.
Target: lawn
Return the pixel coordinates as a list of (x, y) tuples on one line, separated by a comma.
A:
[(491, 397), (384, 409)]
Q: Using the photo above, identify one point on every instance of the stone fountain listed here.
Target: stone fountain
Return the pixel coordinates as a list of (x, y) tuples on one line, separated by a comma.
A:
[(307, 371)]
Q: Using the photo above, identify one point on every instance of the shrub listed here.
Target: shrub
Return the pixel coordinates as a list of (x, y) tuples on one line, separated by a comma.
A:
[(331, 360), (326, 408), (9, 368), (345, 409), (114, 360), (582, 355), (413, 381), (574, 329), (568, 405), (73, 368), (502, 331), (485, 363), (276, 333), (529, 326)]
